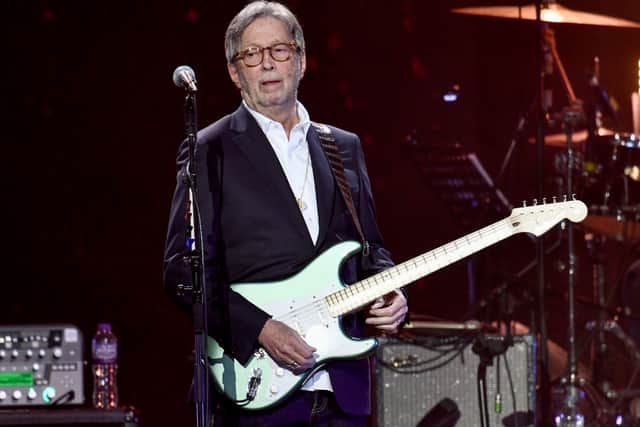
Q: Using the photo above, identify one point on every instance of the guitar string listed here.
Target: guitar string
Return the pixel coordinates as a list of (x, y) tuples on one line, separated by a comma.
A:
[(342, 297), (308, 311), (430, 257)]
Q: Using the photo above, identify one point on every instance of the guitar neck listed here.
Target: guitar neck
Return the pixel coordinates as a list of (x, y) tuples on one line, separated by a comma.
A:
[(365, 291)]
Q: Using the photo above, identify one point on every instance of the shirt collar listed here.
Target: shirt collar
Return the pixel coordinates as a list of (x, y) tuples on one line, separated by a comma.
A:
[(265, 122)]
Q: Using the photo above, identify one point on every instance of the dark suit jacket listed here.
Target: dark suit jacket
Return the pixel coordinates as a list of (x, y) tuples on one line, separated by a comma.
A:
[(253, 227)]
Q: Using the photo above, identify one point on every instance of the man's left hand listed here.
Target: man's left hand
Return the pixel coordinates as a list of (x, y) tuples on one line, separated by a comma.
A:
[(387, 312)]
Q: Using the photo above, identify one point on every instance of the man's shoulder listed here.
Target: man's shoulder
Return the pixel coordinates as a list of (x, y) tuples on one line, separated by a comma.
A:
[(341, 135), (215, 129)]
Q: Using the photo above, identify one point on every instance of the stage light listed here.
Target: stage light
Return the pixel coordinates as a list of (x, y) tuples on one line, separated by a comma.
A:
[(452, 95)]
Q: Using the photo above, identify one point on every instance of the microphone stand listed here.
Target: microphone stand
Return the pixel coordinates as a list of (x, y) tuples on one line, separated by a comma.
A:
[(488, 347), (197, 289), (539, 328)]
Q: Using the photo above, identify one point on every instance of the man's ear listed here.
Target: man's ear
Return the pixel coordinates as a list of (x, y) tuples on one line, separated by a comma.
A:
[(233, 73), (303, 64)]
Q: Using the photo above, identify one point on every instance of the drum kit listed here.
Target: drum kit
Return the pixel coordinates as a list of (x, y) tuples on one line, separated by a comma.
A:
[(602, 167)]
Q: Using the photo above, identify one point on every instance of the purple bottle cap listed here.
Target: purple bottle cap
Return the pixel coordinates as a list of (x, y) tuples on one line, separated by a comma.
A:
[(104, 327)]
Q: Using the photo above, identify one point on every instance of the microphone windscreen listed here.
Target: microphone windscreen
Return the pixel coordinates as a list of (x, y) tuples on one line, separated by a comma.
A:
[(183, 75)]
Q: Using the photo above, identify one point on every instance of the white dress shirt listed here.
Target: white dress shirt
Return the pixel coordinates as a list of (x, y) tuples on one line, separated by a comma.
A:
[(294, 157)]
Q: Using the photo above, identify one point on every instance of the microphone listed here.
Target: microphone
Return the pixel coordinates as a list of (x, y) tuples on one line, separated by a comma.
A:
[(184, 77)]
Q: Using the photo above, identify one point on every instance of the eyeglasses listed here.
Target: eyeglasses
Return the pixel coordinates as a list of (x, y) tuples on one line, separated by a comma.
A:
[(253, 56)]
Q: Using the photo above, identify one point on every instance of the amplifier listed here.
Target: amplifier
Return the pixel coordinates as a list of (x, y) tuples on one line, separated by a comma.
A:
[(41, 365), (410, 383), (78, 417)]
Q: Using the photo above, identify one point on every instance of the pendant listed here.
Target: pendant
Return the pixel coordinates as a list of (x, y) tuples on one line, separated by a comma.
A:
[(301, 204)]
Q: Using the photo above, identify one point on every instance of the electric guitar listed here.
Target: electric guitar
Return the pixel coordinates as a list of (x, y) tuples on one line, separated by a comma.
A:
[(313, 301)]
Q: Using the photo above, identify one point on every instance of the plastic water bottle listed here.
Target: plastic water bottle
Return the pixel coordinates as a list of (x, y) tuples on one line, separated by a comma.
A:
[(104, 350)]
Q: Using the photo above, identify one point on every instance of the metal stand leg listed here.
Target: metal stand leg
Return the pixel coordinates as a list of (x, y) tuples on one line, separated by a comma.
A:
[(571, 415), (599, 343)]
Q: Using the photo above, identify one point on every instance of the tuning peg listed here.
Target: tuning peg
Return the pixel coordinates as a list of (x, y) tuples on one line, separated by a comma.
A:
[(564, 198), (544, 200), (524, 203), (573, 196), (535, 202), (554, 199)]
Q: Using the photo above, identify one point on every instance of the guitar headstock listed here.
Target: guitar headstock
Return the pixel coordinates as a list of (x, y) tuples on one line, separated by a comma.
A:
[(538, 218)]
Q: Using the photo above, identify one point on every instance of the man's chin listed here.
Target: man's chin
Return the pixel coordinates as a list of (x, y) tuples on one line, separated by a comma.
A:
[(273, 101)]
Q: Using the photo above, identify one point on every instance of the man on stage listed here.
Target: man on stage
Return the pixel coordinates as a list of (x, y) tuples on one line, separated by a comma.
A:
[(270, 204)]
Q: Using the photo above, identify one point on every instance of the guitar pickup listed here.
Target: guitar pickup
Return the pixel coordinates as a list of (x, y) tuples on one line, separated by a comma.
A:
[(298, 327)]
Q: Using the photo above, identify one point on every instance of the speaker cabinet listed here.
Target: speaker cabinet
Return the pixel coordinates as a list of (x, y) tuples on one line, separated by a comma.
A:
[(409, 384)]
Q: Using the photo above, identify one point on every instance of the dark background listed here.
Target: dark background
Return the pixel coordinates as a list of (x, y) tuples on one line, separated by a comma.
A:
[(93, 122)]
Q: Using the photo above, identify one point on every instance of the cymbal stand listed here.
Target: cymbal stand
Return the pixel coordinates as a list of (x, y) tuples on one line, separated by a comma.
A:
[(570, 119), (599, 344)]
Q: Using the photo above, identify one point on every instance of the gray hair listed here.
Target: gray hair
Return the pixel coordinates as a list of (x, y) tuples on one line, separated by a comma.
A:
[(250, 13)]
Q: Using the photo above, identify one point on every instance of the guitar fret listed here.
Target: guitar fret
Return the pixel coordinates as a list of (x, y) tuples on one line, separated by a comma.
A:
[(395, 277), (384, 282)]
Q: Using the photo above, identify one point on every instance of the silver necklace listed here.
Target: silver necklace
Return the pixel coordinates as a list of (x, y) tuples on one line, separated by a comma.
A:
[(301, 204)]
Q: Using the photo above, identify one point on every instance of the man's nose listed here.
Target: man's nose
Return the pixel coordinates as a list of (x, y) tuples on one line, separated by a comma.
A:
[(267, 60)]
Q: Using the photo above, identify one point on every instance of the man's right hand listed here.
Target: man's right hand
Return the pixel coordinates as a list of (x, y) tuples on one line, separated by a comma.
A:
[(286, 346)]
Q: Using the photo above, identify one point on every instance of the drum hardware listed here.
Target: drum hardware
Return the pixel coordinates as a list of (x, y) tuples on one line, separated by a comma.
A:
[(611, 187), (624, 146), (599, 344), (591, 407), (559, 139), (569, 413), (578, 172), (552, 12), (621, 224), (571, 118), (619, 398), (635, 106)]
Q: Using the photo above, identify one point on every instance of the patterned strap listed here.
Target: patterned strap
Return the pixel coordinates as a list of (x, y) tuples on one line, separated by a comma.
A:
[(328, 143)]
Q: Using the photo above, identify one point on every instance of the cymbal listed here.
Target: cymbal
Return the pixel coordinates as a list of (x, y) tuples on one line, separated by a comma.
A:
[(554, 13), (560, 139)]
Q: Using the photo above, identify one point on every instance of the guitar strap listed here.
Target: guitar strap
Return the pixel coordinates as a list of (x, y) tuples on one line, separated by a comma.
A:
[(330, 148)]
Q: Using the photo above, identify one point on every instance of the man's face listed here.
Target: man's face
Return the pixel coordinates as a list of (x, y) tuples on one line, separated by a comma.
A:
[(272, 83)]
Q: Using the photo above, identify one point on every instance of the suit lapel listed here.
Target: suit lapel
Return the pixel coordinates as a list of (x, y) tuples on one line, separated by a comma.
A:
[(253, 144), (325, 188)]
